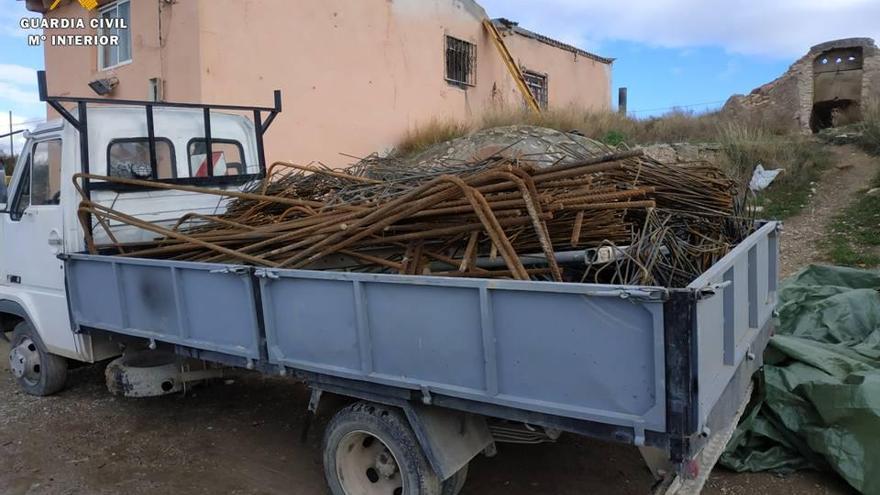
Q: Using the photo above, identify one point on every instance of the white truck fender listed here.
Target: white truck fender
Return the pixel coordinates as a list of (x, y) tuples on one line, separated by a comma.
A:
[(8, 307), (62, 342)]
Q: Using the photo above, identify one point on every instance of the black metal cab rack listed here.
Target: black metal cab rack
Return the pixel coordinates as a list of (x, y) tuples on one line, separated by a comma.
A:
[(81, 123)]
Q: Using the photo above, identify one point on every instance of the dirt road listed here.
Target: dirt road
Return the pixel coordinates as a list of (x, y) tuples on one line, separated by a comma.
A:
[(243, 437), (850, 171)]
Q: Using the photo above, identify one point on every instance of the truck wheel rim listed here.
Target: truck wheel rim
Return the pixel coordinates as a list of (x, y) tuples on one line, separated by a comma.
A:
[(24, 361), (366, 466)]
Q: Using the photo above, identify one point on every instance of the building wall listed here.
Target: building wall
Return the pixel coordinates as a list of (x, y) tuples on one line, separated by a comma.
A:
[(574, 80), (871, 81), (174, 58), (356, 76)]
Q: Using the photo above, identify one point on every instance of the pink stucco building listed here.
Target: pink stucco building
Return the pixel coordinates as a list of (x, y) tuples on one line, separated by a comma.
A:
[(356, 75)]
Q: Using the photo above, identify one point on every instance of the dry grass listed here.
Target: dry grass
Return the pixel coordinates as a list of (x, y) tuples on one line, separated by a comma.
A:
[(614, 128), (434, 132), (802, 158), (8, 163), (609, 127)]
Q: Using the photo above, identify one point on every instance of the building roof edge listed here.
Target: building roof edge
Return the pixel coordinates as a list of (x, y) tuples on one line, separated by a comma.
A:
[(507, 24)]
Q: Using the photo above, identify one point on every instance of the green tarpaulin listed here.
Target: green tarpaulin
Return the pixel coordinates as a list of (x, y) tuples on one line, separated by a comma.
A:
[(819, 406)]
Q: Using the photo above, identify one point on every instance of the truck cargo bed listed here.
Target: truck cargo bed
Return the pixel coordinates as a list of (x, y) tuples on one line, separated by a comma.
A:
[(659, 365)]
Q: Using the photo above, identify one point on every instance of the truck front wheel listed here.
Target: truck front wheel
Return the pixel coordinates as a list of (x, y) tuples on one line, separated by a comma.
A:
[(37, 372), (370, 449)]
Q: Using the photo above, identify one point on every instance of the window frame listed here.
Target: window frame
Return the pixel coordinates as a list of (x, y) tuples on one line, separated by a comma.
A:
[(13, 206), (27, 173), (119, 63), (139, 140), (60, 170), (235, 142), (472, 63), (545, 102)]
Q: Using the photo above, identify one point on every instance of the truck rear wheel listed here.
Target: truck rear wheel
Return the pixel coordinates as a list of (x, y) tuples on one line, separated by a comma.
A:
[(36, 370), (370, 449)]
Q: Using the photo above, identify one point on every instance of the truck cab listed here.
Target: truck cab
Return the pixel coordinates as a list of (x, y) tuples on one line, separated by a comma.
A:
[(40, 217)]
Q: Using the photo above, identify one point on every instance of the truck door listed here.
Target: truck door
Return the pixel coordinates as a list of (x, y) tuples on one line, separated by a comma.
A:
[(34, 224), (32, 240)]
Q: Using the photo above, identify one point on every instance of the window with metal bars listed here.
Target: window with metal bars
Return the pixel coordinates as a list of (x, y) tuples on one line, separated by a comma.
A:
[(461, 62), (537, 84)]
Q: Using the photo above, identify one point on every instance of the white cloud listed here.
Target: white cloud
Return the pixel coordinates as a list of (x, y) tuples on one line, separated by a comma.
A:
[(18, 89), (779, 29), (18, 83), (19, 122), (730, 70), (18, 93), (18, 74), (10, 17)]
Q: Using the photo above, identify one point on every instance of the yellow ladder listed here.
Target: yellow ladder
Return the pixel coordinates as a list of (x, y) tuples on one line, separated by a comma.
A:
[(511, 65)]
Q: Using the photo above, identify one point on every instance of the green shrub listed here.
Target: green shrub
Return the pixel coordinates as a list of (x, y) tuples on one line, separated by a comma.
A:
[(854, 239), (870, 129), (615, 138)]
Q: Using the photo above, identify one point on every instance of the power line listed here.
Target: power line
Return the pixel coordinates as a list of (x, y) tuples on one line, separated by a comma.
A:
[(28, 122), (10, 134), (20, 127)]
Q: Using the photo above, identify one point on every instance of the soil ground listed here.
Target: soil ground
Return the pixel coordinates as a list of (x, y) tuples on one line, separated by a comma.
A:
[(851, 171), (243, 436)]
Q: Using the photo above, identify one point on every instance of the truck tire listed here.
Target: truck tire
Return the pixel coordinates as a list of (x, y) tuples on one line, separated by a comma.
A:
[(36, 370), (455, 484), (369, 449)]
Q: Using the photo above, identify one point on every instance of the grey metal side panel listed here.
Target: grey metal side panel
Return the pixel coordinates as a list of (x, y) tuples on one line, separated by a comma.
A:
[(582, 351), (209, 307), (729, 322)]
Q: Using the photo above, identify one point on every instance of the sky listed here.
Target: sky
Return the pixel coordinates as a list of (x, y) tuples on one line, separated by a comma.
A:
[(18, 78), (693, 54), (690, 54)]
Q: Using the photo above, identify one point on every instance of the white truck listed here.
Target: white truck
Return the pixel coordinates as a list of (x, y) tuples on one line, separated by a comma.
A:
[(41, 208), (441, 369)]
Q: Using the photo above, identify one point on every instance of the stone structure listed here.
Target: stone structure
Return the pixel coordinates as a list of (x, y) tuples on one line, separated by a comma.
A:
[(685, 153), (827, 87)]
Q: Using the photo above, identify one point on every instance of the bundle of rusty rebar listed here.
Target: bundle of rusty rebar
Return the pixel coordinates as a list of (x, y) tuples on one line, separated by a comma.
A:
[(497, 217)]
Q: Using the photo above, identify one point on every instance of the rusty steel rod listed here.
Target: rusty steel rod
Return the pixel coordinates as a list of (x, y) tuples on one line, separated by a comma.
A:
[(374, 217)]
